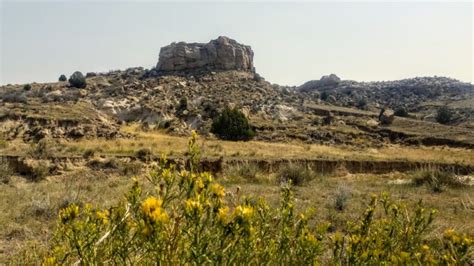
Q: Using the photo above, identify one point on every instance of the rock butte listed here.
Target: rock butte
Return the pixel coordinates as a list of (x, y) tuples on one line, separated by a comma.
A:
[(220, 54)]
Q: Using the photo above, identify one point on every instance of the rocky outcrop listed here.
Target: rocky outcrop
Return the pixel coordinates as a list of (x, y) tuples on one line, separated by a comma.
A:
[(386, 116), (220, 54), (409, 93), (325, 81)]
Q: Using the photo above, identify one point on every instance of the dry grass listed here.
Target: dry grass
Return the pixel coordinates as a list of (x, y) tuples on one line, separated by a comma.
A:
[(160, 143), (456, 205), (80, 111), (29, 209)]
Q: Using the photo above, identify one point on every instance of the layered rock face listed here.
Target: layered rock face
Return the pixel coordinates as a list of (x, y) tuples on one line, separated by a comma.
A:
[(220, 54)]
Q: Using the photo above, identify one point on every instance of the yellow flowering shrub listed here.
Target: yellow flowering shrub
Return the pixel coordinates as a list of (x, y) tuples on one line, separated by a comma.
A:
[(189, 219), (398, 236)]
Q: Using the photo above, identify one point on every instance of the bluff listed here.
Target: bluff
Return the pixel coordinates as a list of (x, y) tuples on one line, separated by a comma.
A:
[(220, 54)]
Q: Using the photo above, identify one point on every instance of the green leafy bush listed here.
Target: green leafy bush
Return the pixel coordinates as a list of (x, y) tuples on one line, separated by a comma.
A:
[(62, 78), (77, 80), (444, 115), (232, 124), (325, 95), (27, 87), (401, 112)]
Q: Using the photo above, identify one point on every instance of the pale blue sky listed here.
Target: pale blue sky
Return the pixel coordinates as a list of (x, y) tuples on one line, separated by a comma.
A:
[(293, 42)]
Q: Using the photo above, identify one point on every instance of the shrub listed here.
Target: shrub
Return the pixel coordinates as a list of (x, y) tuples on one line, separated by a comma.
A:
[(39, 170), (62, 78), (27, 87), (164, 124), (90, 74), (295, 174), (325, 95), (401, 112), (182, 106), (398, 237), (444, 115), (89, 153), (5, 171), (340, 199), (103, 163), (15, 97), (44, 149), (362, 104), (144, 154), (328, 119), (438, 180), (3, 141), (130, 168), (247, 171), (232, 124), (77, 80), (183, 103)]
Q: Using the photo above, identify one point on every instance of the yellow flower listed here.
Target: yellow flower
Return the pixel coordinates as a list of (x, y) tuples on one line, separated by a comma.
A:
[(449, 233), (354, 239), (243, 212), (337, 237), (467, 241), (49, 261), (150, 204), (310, 238), (152, 209), (223, 214), (69, 213), (193, 206), (425, 248), (199, 184), (217, 190), (206, 177), (103, 216)]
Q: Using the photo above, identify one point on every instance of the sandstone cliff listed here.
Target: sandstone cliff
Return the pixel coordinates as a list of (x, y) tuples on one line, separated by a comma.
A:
[(220, 54)]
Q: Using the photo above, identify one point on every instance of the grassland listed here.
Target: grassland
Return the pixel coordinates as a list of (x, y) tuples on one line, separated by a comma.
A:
[(33, 218), (161, 143), (337, 197)]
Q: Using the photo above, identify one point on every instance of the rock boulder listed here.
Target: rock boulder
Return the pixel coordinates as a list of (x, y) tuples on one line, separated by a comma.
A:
[(386, 116)]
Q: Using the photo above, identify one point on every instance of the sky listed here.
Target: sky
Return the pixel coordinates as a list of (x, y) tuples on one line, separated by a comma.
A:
[(293, 42)]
